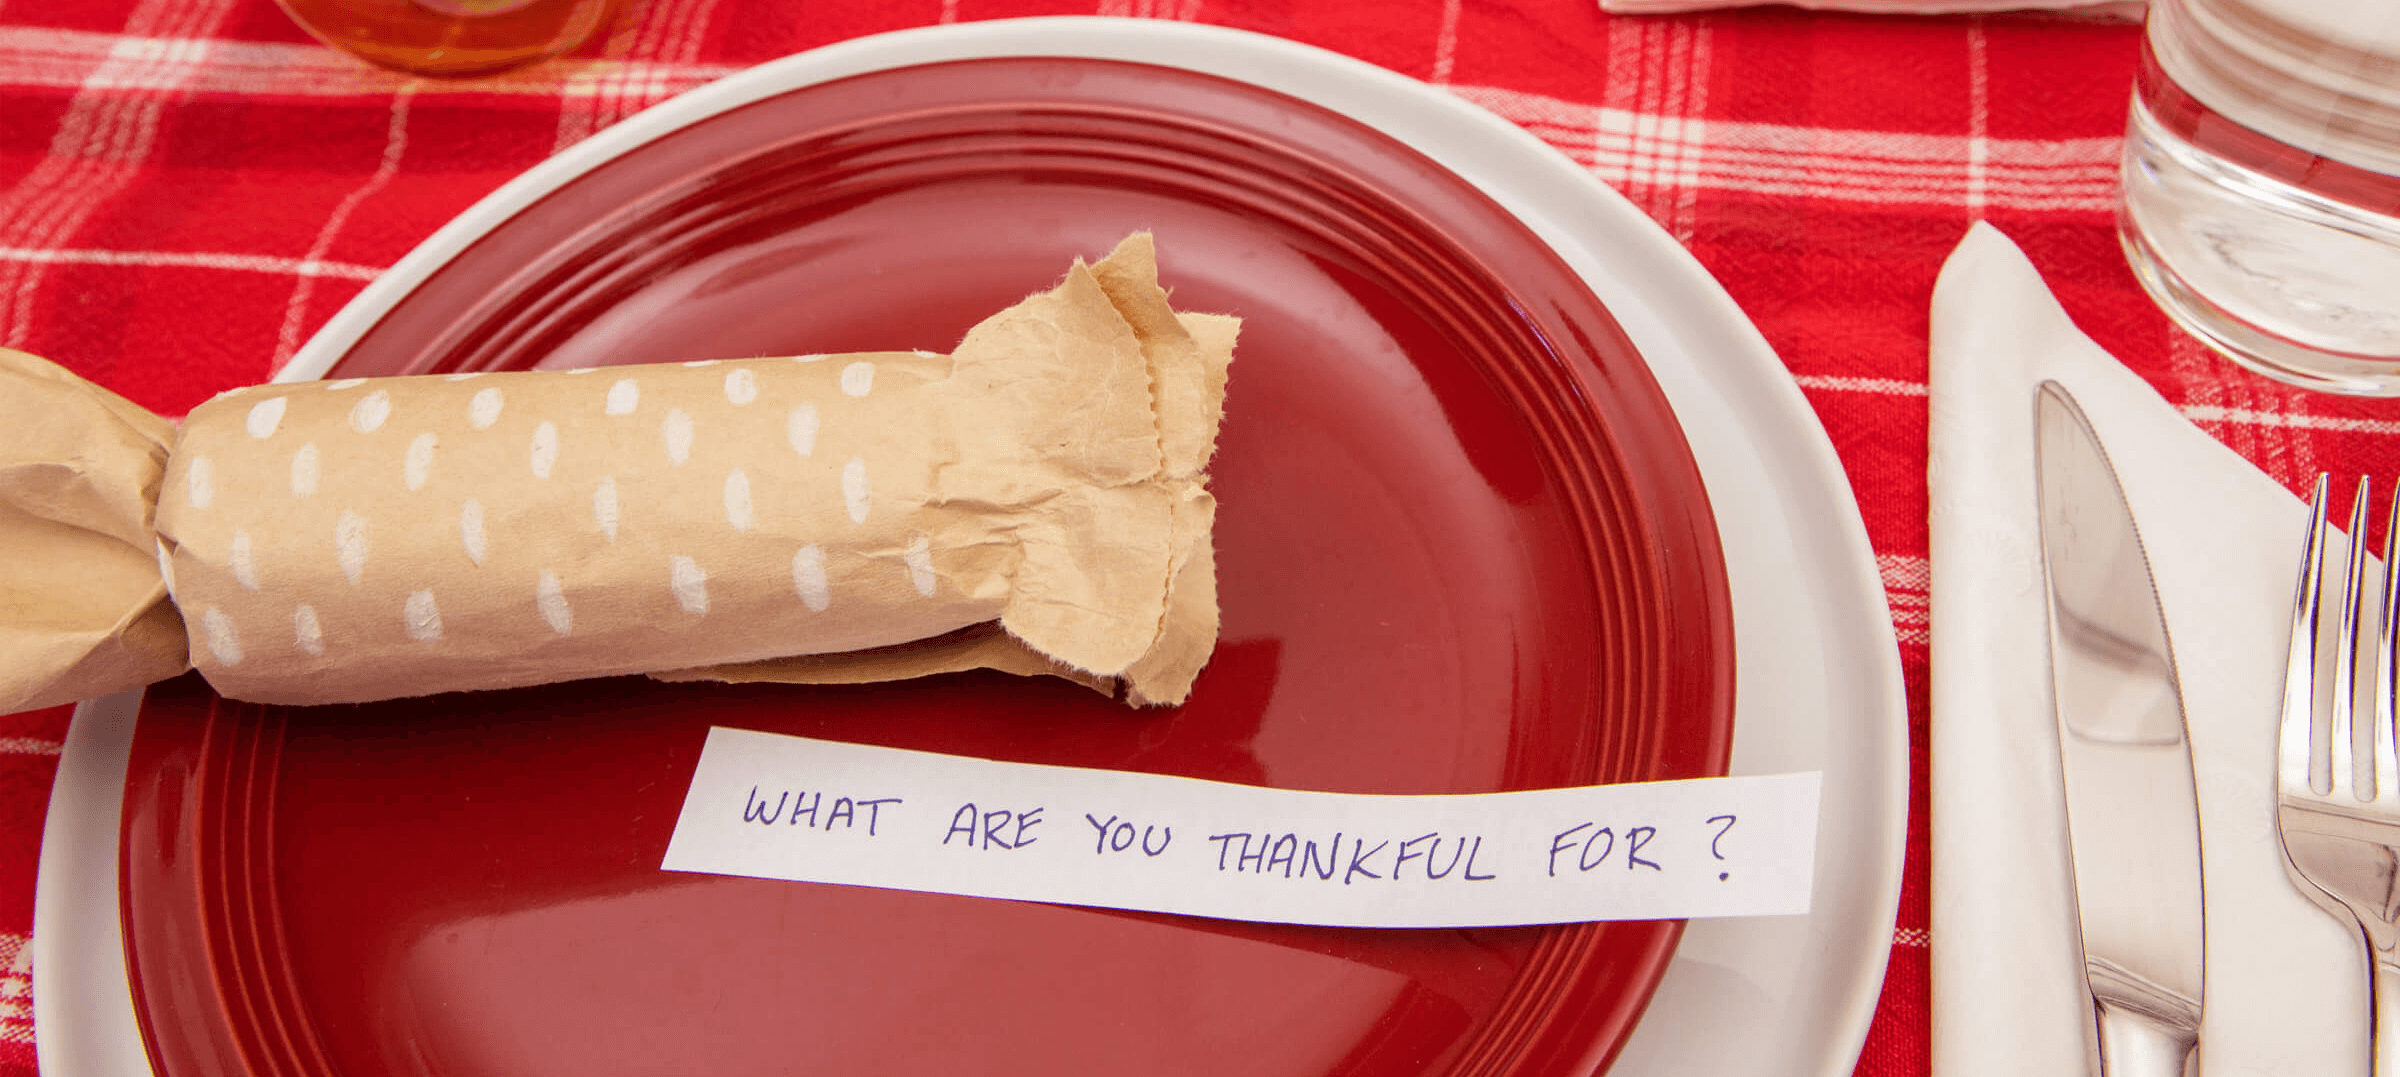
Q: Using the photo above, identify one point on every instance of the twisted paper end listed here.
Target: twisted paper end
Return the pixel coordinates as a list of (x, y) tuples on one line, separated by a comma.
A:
[(83, 610), (1116, 399)]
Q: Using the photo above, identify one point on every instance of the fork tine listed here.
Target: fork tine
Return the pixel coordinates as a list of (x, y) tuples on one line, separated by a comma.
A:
[(2344, 734), (2387, 652), (2294, 750), (2338, 848)]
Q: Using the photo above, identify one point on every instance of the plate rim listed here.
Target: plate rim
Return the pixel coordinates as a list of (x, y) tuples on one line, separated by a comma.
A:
[(1565, 206)]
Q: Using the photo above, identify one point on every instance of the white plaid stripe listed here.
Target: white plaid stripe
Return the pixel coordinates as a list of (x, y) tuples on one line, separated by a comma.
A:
[(1642, 104), (1911, 936), (694, 19), (73, 59), (643, 46), (673, 34), (2277, 446), (1628, 147), (1979, 122), (2259, 431), (1908, 588), (1696, 77), (395, 143), (588, 96), (1886, 386), (2210, 413), (16, 988), (247, 263), (1660, 112), (1445, 44), (29, 746), (1178, 10), (97, 150)]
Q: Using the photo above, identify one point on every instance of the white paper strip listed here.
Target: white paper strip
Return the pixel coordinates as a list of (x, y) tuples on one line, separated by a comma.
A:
[(777, 807)]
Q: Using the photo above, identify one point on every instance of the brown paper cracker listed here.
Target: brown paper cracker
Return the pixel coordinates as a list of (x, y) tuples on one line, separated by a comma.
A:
[(795, 519), (1033, 502)]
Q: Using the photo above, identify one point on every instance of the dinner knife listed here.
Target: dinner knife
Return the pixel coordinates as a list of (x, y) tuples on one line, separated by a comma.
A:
[(2133, 818)]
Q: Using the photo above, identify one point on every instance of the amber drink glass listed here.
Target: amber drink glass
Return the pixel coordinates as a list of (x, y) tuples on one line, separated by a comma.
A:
[(452, 38)]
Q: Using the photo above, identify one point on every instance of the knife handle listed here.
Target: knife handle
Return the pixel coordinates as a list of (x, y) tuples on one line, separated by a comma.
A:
[(2134, 1044)]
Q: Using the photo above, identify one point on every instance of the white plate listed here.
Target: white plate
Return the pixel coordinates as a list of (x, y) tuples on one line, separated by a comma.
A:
[(1817, 666)]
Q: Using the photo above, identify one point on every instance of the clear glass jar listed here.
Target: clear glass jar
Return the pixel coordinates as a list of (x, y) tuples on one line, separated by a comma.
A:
[(2262, 184)]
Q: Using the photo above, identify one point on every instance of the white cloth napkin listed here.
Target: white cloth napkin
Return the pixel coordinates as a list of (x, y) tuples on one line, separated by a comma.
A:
[(2129, 9), (2286, 984)]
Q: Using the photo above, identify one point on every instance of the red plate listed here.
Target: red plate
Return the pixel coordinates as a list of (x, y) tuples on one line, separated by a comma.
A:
[(1463, 548)]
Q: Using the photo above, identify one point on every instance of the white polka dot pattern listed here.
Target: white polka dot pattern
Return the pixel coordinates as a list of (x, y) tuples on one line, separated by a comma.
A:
[(418, 466), (470, 530), (808, 579), (345, 383), (741, 387), (689, 584), (800, 428), (551, 602), (604, 506), (264, 417), (372, 410), (350, 545), (484, 409), (738, 513), (200, 483), (223, 642), (677, 429), (238, 558), (623, 397), (858, 379), (304, 470), (855, 495), (307, 634), (421, 617), (544, 455)]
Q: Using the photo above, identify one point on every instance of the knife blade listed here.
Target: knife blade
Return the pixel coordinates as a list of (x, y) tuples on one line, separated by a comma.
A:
[(2133, 818)]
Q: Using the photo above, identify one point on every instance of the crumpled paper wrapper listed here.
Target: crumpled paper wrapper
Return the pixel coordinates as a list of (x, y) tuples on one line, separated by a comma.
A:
[(1036, 502)]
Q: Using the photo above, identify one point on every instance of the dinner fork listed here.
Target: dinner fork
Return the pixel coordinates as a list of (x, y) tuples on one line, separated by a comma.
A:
[(2341, 836)]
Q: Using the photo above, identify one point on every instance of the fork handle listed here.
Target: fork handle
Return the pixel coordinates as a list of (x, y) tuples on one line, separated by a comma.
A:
[(2384, 1009)]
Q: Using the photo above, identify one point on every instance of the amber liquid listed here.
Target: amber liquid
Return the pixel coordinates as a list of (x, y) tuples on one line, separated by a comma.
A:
[(451, 37)]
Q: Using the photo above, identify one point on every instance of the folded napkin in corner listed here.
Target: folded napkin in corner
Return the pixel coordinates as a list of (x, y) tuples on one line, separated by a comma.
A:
[(2286, 984), (2127, 9)]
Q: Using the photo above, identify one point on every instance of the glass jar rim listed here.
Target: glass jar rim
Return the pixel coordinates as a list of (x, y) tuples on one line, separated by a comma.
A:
[(2320, 75)]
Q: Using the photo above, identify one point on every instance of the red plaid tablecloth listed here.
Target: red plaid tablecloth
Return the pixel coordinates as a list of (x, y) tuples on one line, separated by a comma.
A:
[(188, 188)]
